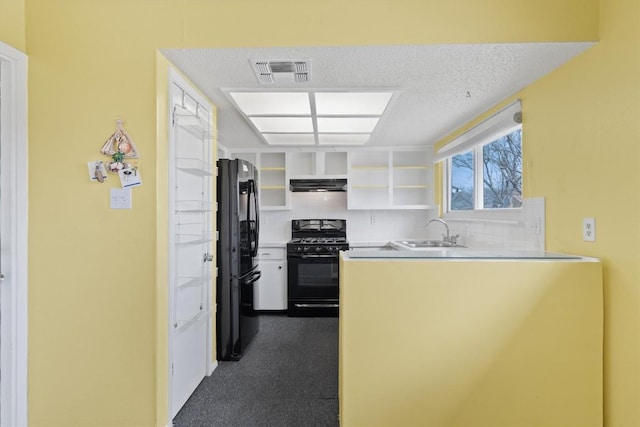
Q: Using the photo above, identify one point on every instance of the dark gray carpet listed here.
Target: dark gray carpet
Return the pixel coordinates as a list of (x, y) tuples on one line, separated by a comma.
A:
[(288, 376)]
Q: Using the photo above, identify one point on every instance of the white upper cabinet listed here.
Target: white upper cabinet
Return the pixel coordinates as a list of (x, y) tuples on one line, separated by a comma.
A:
[(377, 179), (273, 178), (390, 180), (411, 179), (308, 164), (368, 180)]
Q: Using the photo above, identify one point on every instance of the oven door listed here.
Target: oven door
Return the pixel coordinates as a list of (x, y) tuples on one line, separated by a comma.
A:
[(313, 277)]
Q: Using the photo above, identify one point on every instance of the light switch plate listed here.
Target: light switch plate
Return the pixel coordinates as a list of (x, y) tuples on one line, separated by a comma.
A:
[(589, 229), (120, 198)]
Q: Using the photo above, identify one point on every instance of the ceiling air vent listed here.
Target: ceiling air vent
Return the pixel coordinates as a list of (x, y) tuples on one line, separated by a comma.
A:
[(282, 71)]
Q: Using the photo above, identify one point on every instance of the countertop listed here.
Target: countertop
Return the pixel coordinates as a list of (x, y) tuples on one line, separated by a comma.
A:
[(459, 253)]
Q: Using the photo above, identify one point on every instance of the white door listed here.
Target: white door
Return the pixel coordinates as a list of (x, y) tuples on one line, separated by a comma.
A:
[(191, 241), (13, 237)]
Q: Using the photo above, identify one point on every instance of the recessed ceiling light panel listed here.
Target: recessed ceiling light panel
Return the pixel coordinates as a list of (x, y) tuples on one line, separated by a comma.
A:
[(309, 117), (352, 103), (347, 124), (289, 138), (282, 124), (272, 103)]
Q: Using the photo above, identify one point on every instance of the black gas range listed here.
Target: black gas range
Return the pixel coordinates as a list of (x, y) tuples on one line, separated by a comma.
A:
[(312, 259), (318, 245)]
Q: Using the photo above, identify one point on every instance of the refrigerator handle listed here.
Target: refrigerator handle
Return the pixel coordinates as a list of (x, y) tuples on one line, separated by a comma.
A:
[(254, 278), (255, 235)]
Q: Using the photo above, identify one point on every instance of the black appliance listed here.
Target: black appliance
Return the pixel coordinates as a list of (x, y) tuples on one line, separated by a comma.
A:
[(238, 224), (312, 266)]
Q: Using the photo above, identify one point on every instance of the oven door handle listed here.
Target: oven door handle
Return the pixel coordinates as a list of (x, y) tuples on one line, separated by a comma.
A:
[(312, 256), (320, 305)]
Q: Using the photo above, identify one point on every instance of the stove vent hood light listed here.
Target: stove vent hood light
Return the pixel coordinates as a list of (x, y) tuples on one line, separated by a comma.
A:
[(311, 185)]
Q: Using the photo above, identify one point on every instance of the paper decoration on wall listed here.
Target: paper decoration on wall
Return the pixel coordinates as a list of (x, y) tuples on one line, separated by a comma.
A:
[(97, 171), (130, 177), (120, 142)]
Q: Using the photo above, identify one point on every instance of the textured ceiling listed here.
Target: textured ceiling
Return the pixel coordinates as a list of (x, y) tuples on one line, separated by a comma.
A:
[(439, 87)]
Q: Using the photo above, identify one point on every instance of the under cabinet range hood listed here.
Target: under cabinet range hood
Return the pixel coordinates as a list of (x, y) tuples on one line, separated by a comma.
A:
[(319, 184)]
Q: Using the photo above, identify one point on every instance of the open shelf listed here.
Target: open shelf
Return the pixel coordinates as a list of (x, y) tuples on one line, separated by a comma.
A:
[(195, 167), (399, 179), (193, 124)]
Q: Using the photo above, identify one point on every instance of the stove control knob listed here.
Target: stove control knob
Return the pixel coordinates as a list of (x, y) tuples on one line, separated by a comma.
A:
[(298, 248), (306, 248), (318, 249)]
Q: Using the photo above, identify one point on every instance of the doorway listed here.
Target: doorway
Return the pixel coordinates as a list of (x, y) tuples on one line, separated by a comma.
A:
[(13, 236), (190, 240)]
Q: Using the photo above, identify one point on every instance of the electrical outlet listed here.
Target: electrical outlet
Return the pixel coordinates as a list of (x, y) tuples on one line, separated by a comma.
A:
[(589, 229), (373, 219)]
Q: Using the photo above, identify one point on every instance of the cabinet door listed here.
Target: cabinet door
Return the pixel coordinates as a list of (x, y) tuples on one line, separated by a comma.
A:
[(272, 287)]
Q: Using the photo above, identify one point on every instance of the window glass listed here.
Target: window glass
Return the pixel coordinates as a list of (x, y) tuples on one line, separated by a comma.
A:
[(462, 181), (502, 172)]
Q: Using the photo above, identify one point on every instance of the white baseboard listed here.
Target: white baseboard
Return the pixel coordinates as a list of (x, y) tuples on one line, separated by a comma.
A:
[(212, 367)]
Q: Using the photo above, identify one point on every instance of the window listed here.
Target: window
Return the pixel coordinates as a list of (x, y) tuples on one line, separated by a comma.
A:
[(483, 167), (488, 176), (462, 182), (502, 172)]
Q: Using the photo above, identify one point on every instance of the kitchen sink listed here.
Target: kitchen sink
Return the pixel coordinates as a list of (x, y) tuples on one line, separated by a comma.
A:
[(423, 244)]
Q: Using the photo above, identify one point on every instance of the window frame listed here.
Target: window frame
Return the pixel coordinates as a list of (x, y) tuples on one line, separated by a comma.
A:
[(478, 212)]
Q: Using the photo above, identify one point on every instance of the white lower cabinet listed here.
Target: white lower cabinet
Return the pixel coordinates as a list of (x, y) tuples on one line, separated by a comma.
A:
[(271, 291)]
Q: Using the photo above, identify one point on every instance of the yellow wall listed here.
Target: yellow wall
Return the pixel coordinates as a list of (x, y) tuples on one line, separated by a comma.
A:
[(467, 343), (581, 141), (95, 324), (12, 23), (581, 145)]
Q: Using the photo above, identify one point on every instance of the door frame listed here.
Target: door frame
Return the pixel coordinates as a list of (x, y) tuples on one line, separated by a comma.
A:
[(176, 79), (14, 176)]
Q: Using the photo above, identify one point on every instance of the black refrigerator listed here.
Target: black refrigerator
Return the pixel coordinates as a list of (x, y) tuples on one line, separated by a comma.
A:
[(238, 226)]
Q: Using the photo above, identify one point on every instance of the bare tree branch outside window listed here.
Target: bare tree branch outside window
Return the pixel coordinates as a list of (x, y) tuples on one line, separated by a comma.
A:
[(501, 175), (502, 172), (462, 181)]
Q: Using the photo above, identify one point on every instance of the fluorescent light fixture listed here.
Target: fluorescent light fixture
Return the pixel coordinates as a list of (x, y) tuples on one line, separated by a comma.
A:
[(343, 138), (289, 138), (283, 124), (352, 103), (272, 103), (310, 117), (347, 124)]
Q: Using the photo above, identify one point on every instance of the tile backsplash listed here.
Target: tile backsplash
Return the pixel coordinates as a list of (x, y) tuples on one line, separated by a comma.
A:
[(524, 233), (375, 226), (363, 226)]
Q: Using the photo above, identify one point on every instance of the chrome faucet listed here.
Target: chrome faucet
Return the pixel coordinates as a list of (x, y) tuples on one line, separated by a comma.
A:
[(448, 238)]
